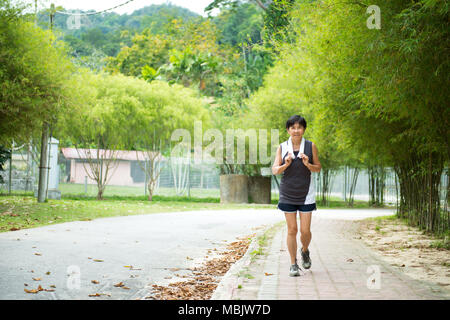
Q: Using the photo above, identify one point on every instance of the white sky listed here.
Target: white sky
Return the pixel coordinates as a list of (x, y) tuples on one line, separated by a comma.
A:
[(196, 6)]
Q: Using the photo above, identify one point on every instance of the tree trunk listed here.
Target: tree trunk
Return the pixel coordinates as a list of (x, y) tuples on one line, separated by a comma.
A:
[(354, 178), (100, 191), (150, 195)]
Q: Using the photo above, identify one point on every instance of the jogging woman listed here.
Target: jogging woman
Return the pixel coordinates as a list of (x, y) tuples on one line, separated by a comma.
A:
[(296, 158)]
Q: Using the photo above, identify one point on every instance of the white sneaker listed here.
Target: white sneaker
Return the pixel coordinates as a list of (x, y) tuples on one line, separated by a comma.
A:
[(294, 271)]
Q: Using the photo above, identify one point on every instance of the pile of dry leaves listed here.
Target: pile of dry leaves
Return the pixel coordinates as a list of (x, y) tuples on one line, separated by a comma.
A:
[(205, 278)]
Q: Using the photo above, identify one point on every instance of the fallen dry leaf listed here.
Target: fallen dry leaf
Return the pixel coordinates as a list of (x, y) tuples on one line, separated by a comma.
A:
[(98, 260), (95, 281), (131, 268), (120, 284), (31, 291), (349, 260), (99, 294), (94, 295), (205, 278), (38, 254), (268, 274), (37, 279), (47, 273)]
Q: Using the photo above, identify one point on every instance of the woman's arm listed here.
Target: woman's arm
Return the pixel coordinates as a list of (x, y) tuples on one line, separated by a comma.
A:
[(316, 166), (277, 168)]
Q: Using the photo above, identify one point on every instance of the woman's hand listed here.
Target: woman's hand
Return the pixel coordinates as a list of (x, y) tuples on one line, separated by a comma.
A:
[(305, 159), (288, 159)]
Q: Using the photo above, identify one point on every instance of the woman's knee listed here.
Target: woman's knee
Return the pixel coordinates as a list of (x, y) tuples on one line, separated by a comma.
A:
[(305, 232), (292, 231)]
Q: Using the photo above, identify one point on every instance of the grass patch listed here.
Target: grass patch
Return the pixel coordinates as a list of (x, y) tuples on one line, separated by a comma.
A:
[(440, 244), (263, 240), (382, 218), (22, 212), (131, 191), (142, 198), (245, 274), (257, 252), (442, 240)]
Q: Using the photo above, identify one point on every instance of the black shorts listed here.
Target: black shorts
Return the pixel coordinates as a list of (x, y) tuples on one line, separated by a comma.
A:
[(286, 207)]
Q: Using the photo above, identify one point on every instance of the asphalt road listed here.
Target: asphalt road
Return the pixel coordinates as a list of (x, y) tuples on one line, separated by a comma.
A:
[(138, 251)]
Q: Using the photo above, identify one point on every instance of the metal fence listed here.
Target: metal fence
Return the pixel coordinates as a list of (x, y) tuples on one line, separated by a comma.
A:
[(177, 178)]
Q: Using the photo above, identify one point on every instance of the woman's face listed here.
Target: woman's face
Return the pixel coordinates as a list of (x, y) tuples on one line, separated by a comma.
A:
[(296, 130)]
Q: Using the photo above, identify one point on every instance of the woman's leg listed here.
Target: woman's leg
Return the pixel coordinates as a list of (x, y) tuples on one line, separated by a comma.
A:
[(305, 229), (291, 220)]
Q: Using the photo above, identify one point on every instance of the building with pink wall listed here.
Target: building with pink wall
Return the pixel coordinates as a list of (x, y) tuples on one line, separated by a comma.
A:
[(125, 171)]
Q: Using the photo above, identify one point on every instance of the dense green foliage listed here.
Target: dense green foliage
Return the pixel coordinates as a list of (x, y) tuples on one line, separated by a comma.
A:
[(107, 32), (373, 97), (34, 69)]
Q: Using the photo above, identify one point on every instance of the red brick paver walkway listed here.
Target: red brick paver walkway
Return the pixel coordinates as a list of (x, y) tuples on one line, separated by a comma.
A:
[(342, 268)]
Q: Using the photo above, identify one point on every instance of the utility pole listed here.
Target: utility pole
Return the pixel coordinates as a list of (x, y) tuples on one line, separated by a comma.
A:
[(43, 166), (29, 163), (145, 174), (35, 12), (10, 168), (189, 177)]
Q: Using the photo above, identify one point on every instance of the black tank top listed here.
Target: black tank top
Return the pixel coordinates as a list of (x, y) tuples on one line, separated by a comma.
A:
[(296, 186)]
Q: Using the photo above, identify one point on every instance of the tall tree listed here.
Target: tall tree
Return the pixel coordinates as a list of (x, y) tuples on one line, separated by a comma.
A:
[(118, 113), (34, 75)]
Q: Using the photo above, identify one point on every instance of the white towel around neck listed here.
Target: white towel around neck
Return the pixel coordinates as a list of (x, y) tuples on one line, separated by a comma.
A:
[(291, 149)]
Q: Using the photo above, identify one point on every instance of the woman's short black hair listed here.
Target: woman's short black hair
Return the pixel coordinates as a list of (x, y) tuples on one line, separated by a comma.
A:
[(296, 119)]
